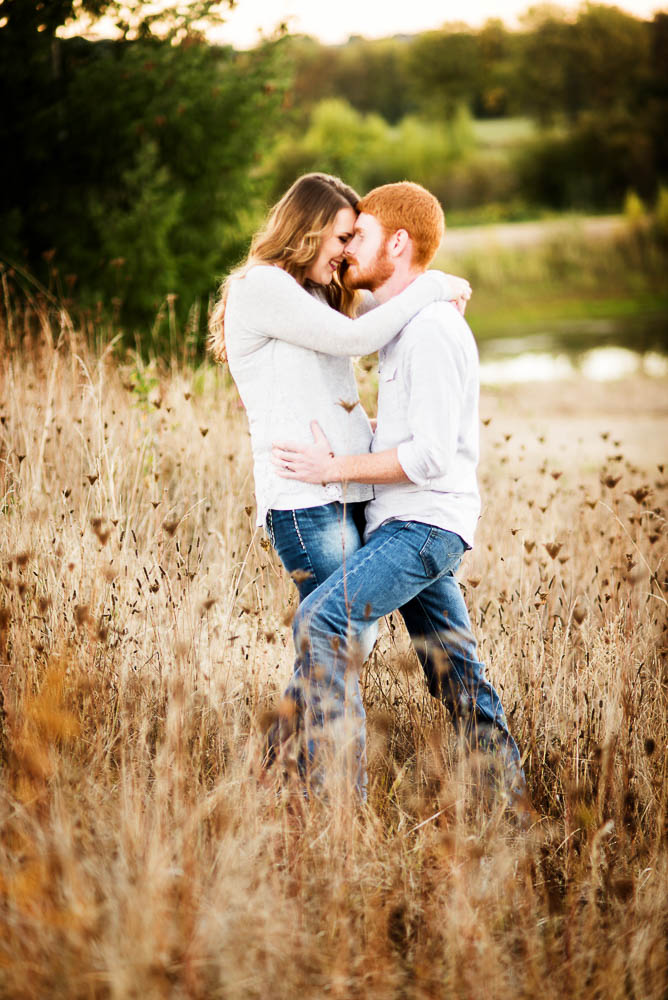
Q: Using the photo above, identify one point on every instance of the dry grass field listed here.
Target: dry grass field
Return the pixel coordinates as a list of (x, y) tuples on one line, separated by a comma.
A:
[(144, 640)]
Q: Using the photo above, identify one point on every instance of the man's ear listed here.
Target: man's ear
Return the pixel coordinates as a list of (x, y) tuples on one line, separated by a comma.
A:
[(399, 243)]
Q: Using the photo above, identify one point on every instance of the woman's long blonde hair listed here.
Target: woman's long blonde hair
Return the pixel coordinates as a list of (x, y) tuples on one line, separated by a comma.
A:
[(291, 239)]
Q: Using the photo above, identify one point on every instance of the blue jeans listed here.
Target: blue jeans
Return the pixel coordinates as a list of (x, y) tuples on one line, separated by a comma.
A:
[(410, 566), (313, 543)]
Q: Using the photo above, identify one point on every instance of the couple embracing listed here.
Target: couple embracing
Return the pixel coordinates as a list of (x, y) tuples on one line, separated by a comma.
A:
[(368, 521)]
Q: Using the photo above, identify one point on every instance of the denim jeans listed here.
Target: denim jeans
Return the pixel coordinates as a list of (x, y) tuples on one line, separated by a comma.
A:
[(409, 566), (313, 543), (316, 540)]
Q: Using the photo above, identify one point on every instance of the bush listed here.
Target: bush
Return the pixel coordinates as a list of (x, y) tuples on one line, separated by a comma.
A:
[(592, 166), (366, 151), (145, 168)]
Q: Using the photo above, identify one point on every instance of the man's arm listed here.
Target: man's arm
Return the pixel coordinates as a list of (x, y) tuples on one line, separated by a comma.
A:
[(317, 463), (436, 374)]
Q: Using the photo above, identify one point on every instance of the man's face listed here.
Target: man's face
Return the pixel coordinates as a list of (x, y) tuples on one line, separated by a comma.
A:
[(369, 263)]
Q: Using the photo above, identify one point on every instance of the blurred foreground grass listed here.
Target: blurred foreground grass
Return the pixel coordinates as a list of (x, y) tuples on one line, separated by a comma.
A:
[(144, 642)]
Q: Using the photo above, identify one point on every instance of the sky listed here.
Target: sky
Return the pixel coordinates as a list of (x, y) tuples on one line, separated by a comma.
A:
[(334, 22)]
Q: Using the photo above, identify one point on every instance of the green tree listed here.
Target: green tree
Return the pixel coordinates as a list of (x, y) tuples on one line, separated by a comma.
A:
[(370, 75), (141, 150), (445, 71), (366, 151), (596, 63), (601, 78), (498, 51)]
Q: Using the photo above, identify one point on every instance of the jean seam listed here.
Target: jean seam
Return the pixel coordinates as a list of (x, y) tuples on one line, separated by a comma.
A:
[(425, 550), (299, 534), (305, 552), (305, 514), (270, 522)]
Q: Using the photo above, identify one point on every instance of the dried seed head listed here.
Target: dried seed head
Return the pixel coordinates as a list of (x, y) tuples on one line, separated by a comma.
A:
[(348, 407), (81, 614), (640, 494), (579, 614)]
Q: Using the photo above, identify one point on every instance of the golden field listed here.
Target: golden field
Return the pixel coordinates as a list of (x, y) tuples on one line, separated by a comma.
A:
[(144, 642)]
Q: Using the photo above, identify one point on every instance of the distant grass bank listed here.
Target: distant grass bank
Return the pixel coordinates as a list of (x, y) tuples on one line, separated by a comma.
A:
[(570, 283), (577, 319)]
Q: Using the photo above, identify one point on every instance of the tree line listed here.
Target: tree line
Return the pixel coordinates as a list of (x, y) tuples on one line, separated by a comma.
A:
[(130, 166), (594, 83), (134, 169)]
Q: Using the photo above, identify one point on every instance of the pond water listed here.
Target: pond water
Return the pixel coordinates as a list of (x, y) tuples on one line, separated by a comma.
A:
[(595, 349)]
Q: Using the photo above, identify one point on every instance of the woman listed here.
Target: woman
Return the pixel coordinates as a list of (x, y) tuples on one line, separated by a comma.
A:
[(284, 324)]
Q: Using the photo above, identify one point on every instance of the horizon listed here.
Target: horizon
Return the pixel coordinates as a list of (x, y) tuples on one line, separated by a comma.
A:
[(244, 25), (251, 21)]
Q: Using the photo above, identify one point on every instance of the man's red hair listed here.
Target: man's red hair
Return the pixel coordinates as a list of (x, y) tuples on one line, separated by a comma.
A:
[(411, 207)]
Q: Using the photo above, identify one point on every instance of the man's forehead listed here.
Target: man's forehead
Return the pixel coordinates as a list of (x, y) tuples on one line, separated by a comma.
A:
[(366, 223)]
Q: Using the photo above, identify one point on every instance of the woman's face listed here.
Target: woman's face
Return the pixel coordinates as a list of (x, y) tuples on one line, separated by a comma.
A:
[(330, 255)]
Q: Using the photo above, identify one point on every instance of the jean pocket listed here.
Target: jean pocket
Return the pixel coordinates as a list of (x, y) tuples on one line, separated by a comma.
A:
[(441, 553)]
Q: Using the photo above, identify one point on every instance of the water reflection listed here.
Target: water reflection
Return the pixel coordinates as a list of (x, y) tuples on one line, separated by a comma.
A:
[(600, 364), (599, 350)]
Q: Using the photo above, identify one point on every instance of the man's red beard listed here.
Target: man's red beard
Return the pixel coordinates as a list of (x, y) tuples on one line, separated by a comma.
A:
[(376, 274)]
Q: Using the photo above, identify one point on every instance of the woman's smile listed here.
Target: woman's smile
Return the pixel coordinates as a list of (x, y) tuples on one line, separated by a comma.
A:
[(330, 256)]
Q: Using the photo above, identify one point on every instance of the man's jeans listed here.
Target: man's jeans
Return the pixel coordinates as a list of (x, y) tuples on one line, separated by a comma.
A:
[(409, 566)]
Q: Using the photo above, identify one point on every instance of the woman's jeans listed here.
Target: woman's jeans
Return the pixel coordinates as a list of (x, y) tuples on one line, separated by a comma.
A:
[(410, 566), (313, 543)]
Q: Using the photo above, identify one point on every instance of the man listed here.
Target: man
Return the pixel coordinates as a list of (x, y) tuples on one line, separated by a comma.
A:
[(423, 518)]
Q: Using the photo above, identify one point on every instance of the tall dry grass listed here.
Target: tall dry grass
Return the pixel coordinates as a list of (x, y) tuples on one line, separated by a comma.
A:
[(144, 639)]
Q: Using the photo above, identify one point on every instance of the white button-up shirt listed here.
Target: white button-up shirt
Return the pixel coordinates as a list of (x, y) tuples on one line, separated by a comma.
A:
[(428, 388)]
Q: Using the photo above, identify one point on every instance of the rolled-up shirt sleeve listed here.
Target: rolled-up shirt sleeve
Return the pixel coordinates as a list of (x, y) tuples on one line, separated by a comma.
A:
[(434, 380)]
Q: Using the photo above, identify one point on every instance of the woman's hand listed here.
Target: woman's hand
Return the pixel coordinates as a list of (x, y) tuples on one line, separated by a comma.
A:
[(460, 305), (455, 290), (308, 463)]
